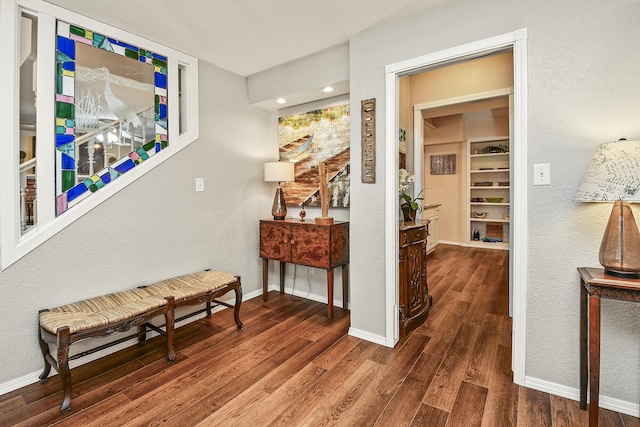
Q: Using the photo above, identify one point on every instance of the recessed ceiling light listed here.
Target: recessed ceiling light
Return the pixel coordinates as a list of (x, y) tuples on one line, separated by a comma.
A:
[(281, 101), (327, 89)]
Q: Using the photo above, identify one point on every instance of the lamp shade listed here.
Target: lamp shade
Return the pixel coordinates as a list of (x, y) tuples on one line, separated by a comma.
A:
[(278, 171), (614, 173)]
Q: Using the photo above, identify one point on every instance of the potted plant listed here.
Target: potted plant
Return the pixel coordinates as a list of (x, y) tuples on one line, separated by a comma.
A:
[(411, 205)]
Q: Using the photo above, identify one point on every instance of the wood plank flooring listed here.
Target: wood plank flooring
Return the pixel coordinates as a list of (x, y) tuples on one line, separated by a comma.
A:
[(291, 366)]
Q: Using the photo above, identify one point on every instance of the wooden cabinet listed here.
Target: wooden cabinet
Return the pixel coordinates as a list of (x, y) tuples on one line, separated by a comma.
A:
[(309, 244), (432, 214), (488, 191), (414, 299)]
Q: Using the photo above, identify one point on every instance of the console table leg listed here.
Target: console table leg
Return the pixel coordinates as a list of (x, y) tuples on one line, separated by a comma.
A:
[(265, 279), (594, 358), (282, 270), (584, 345), (345, 281), (330, 293)]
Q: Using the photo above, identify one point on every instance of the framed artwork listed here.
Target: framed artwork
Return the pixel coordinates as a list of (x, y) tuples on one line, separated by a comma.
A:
[(368, 140), (444, 164), (310, 138)]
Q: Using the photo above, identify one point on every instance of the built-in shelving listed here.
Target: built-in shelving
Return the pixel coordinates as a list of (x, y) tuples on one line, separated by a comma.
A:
[(488, 177)]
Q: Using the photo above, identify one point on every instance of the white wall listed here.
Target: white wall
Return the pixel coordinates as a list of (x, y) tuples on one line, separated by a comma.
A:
[(583, 90), (156, 228)]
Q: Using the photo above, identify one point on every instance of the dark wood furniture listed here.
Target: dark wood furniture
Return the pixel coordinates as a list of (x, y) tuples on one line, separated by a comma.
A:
[(414, 299), (119, 312), (594, 286), (323, 246)]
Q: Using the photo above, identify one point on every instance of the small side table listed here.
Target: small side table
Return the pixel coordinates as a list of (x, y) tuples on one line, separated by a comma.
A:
[(596, 285)]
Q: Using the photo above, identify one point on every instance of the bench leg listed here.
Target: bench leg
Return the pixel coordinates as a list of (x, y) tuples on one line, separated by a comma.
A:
[(63, 367), (44, 347), (236, 308), (208, 309), (142, 333), (170, 321)]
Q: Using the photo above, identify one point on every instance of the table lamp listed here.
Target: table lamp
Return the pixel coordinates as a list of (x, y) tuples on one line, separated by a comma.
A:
[(614, 176), (279, 172)]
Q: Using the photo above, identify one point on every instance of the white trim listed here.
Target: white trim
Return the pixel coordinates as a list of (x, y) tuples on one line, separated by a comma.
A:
[(391, 253), (464, 99), (368, 336), (606, 402), (13, 246), (517, 40)]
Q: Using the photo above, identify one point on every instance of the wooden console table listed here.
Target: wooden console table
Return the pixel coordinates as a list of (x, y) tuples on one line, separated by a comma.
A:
[(594, 286), (309, 244)]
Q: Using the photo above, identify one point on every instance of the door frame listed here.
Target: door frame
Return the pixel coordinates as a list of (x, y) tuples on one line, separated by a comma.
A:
[(517, 41)]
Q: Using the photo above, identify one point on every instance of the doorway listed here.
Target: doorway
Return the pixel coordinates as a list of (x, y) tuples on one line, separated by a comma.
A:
[(517, 42)]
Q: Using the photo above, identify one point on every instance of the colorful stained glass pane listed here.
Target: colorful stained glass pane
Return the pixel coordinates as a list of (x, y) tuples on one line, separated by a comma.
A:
[(160, 80), (160, 57), (67, 47), (62, 139), (143, 154), (163, 111), (149, 146), (131, 54), (68, 179), (68, 162), (65, 110), (69, 65), (97, 39), (76, 191), (125, 166), (76, 30)]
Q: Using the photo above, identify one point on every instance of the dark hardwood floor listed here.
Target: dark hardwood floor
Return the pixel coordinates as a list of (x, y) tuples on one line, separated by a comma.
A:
[(291, 366)]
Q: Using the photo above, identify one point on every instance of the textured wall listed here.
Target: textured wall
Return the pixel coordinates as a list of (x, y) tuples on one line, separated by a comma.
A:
[(583, 88)]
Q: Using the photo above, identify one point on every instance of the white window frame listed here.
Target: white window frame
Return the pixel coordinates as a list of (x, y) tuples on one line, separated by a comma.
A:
[(13, 245)]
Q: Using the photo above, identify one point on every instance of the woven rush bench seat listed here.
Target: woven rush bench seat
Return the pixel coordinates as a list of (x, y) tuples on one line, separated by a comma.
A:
[(119, 312)]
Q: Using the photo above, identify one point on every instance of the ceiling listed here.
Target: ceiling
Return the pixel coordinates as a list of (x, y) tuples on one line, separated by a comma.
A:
[(248, 36)]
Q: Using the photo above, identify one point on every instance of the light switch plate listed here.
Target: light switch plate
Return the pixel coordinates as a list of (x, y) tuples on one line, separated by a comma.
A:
[(542, 174), (199, 184)]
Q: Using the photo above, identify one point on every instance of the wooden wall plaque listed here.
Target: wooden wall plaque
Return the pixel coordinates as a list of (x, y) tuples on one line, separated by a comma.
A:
[(368, 118)]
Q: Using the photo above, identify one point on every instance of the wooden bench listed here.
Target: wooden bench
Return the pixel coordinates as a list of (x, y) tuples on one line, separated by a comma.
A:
[(121, 311)]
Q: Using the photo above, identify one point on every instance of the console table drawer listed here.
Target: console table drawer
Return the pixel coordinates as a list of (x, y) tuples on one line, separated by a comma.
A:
[(413, 235)]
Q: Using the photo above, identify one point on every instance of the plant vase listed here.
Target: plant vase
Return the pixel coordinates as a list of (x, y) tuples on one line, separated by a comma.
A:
[(408, 213)]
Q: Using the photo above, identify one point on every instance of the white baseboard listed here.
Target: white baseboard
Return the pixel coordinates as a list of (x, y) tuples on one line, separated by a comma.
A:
[(572, 393), (368, 336)]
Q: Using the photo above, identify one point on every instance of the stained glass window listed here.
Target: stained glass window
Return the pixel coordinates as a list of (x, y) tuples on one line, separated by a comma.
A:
[(111, 110)]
